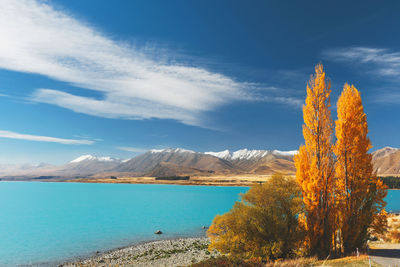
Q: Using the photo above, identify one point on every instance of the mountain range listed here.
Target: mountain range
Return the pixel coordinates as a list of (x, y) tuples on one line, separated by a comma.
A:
[(164, 162), (178, 161)]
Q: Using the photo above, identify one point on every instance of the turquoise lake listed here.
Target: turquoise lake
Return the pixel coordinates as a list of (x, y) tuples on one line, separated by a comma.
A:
[(45, 223)]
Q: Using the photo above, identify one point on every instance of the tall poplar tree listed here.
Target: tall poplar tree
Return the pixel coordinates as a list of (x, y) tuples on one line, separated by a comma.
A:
[(360, 193), (315, 165)]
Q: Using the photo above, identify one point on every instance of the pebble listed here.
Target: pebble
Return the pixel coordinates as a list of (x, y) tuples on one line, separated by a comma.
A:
[(174, 252)]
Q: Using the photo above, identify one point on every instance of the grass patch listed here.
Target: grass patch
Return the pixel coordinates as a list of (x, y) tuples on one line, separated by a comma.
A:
[(224, 261), (348, 262)]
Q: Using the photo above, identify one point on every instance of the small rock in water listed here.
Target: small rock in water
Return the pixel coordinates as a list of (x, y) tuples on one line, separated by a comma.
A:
[(158, 232), (204, 227)]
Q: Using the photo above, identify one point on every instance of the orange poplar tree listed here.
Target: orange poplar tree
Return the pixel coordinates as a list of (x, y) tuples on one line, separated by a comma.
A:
[(315, 165), (360, 193)]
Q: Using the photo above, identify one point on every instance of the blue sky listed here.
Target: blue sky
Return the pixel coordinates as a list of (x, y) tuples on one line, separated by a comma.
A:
[(116, 78)]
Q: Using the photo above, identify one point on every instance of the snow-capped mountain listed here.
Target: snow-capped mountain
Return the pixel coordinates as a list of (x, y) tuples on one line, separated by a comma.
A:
[(172, 150), (226, 154), (88, 165), (259, 161), (246, 154), (240, 161), (183, 161), (285, 153), (242, 154), (93, 158), (180, 157)]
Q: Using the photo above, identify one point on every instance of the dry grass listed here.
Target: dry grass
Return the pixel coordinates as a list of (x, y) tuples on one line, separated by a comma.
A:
[(347, 262), (300, 262), (223, 261), (293, 262), (223, 180)]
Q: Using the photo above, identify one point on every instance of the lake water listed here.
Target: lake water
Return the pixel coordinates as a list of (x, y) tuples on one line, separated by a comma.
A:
[(51, 222), (393, 201), (47, 222)]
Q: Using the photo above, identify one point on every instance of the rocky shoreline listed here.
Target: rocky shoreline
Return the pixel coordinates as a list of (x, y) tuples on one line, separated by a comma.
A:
[(175, 252)]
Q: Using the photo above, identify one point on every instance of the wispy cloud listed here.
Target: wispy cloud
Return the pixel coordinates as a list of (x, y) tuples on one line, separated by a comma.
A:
[(388, 97), (132, 149), (14, 135), (380, 61), (37, 38), (297, 102)]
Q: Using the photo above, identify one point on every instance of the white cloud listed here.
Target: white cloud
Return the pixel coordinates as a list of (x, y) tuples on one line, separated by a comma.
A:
[(14, 135), (380, 61), (37, 38), (132, 149)]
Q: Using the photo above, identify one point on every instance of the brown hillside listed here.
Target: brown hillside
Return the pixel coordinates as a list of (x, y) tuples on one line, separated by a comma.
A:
[(386, 161)]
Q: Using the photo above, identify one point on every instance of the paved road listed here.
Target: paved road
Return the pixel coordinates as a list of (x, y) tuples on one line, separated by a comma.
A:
[(386, 254)]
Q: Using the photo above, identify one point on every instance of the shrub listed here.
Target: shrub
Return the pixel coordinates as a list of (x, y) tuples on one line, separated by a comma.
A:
[(263, 225)]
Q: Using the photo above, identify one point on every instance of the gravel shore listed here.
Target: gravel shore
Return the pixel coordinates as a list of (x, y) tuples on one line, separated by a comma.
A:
[(176, 252)]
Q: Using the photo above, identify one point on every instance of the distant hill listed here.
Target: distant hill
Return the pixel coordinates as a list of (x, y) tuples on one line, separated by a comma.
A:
[(17, 169), (88, 165), (85, 165), (386, 161), (167, 169), (146, 162)]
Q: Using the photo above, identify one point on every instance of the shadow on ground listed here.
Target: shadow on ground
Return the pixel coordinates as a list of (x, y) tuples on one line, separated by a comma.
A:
[(386, 256), (387, 253)]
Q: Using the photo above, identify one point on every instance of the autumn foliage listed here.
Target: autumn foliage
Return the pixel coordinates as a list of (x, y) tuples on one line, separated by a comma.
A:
[(342, 196), (315, 165), (359, 192), (333, 205), (264, 225)]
